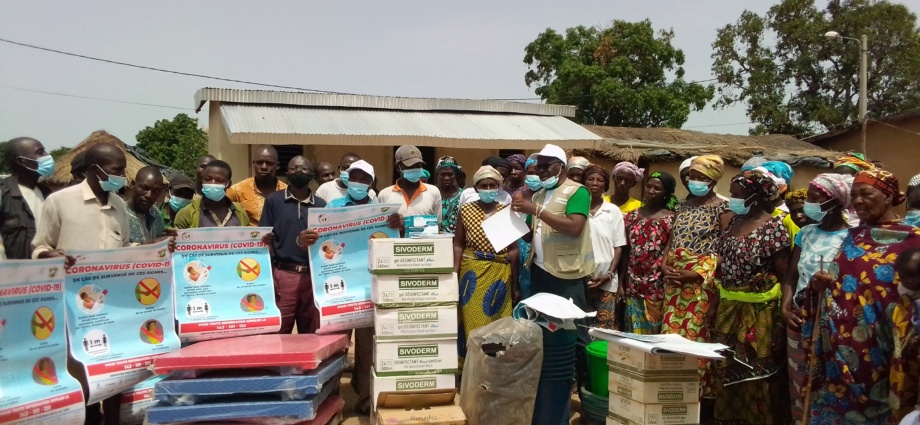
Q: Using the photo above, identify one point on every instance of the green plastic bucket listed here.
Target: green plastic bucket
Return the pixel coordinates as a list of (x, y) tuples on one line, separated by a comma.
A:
[(597, 367)]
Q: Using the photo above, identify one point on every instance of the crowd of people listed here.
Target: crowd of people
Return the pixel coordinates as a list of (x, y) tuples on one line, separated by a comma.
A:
[(813, 289)]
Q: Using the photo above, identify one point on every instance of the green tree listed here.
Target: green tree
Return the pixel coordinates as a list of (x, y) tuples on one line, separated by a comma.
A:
[(59, 152), (622, 75), (794, 81), (176, 143)]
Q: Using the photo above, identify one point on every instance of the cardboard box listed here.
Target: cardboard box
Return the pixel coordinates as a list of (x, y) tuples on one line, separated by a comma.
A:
[(411, 256), (438, 322), (417, 357), (408, 384), (654, 389), (434, 407), (632, 412), (638, 361), (388, 291)]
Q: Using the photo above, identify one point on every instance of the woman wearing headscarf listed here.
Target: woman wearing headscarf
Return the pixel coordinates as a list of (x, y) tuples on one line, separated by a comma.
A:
[(576, 168), (852, 163), (753, 252), (815, 245), (796, 219), (860, 320), (607, 239), (488, 277), (532, 184), (648, 230), (625, 177), (515, 182), (446, 173), (690, 258), (783, 173)]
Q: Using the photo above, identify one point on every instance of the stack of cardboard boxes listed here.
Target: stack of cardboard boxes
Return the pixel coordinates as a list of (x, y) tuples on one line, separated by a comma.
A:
[(415, 294), (650, 388)]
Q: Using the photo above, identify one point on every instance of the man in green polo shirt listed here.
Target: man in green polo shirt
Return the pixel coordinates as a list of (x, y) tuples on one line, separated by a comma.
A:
[(562, 256)]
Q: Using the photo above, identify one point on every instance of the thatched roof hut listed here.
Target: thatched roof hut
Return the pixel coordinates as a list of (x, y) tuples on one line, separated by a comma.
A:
[(136, 157), (671, 145)]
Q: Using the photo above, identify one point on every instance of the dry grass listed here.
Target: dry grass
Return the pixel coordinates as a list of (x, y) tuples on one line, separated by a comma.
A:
[(62, 175), (668, 144)]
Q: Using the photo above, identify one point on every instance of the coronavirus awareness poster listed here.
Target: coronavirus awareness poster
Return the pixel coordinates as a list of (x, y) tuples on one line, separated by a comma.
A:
[(224, 284), (119, 315), (338, 263), (35, 387)]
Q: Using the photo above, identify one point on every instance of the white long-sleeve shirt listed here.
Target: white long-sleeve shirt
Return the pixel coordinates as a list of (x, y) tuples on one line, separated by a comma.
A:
[(74, 219)]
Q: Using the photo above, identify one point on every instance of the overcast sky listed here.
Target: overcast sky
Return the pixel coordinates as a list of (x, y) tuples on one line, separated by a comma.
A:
[(466, 49)]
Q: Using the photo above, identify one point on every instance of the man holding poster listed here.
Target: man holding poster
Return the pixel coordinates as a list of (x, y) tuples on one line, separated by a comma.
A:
[(285, 211)]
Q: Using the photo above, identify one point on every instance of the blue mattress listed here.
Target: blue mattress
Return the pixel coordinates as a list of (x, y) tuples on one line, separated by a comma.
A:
[(187, 392), (241, 407)]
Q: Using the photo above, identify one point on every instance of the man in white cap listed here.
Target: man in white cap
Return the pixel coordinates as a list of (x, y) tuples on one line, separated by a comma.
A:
[(413, 196), (684, 171), (576, 168), (562, 257), (360, 179)]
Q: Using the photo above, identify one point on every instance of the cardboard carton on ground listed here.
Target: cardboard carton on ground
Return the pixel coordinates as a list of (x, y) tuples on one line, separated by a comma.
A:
[(632, 412), (638, 361), (408, 384), (411, 256), (388, 291), (438, 322), (654, 388), (415, 357), (432, 407)]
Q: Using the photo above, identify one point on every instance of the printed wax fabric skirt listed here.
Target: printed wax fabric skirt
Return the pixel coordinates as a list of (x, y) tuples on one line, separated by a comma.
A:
[(485, 292)]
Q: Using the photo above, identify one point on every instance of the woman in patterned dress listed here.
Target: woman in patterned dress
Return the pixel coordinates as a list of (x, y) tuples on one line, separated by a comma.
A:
[(648, 230), (691, 260), (753, 252), (859, 355), (815, 245), (488, 278), (607, 240), (515, 181), (533, 183), (447, 172)]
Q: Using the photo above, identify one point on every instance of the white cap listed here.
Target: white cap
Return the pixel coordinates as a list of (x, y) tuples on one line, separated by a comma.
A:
[(686, 164), (363, 166), (553, 151)]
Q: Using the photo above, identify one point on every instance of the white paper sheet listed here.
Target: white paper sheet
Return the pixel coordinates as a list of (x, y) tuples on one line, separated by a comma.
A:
[(504, 228), (553, 305), (660, 344)]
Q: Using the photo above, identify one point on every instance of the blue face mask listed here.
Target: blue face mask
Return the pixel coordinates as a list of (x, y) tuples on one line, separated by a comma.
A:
[(214, 192), (343, 176), (357, 191), (698, 188), (737, 205), (533, 182), (912, 218), (177, 203), (813, 211), (413, 174), (112, 183), (44, 165), (551, 182), (488, 196)]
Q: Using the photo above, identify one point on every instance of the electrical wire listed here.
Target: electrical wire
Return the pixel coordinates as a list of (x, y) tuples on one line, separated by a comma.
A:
[(150, 68), (95, 98)]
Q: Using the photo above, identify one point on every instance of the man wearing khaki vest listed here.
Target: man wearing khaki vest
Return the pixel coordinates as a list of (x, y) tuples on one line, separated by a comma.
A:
[(561, 258)]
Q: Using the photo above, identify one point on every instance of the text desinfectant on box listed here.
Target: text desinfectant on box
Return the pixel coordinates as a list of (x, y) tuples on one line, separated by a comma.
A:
[(400, 357), (438, 322), (391, 291), (410, 256)]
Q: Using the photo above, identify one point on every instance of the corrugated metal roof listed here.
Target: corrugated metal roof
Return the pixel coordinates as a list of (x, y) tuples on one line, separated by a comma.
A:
[(249, 124), (264, 97)]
